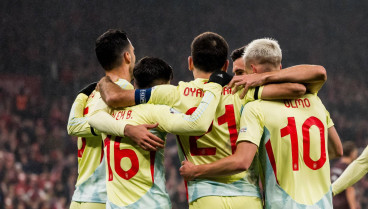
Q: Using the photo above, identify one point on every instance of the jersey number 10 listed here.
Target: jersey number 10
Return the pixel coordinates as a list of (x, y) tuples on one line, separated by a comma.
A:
[(290, 129)]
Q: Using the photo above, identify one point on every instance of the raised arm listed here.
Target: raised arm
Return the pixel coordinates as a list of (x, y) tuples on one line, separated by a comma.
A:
[(115, 97), (77, 122), (283, 91), (199, 121), (312, 76), (196, 123)]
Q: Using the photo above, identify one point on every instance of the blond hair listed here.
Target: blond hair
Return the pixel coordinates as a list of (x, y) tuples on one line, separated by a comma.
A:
[(262, 51)]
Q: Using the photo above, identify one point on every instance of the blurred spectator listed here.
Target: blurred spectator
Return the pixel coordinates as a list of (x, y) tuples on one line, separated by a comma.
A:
[(346, 199)]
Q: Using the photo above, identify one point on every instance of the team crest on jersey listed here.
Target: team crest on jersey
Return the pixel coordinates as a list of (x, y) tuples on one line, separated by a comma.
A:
[(244, 129)]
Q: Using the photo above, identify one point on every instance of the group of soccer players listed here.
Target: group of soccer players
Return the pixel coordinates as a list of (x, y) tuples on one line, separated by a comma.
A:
[(275, 130)]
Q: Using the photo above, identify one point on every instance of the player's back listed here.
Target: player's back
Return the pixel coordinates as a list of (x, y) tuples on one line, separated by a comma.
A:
[(293, 152), (217, 143), (135, 177)]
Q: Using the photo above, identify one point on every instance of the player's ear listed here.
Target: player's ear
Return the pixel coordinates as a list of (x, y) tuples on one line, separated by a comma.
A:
[(254, 69), (190, 63), (280, 66), (127, 57), (226, 65)]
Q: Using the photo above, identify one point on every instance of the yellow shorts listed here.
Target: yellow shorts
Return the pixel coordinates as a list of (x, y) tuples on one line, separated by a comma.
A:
[(219, 202), (87, 205)]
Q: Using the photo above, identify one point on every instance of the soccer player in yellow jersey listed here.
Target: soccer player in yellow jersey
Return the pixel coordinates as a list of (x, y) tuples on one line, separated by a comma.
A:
[(116, 55), (291, 138), (135, 177), (90, 189), (209, 53), (353, 173)]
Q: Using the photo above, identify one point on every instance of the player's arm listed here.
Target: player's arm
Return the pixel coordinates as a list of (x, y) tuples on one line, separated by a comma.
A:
[(198, 122), (274, 91), (236, 163), (334, 144), (194, 124), (350, 196), (247, 144), (353, 173), (283, 91), (102, 121), (77, 123), (114, 96), (312, 76), (335, 149)]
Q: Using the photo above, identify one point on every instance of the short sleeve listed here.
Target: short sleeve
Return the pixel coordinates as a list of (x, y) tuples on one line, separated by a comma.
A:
[(330, 123), (164, 94), (251, 124), (253, 94)]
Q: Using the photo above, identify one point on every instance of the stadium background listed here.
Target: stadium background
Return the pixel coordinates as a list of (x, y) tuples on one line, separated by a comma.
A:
[(47, 55)]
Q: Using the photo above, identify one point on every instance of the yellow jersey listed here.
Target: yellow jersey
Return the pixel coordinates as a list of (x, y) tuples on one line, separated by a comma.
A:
[(218, 142), (135, 177), (90, 185), (291, 136)]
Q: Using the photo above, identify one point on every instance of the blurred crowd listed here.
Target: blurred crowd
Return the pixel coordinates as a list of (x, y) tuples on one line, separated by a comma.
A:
[(53, 49)]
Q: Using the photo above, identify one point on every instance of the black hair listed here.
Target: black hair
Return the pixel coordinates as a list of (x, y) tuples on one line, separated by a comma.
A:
[(149, 71), (109, 48), (209, 51), (237, 53)]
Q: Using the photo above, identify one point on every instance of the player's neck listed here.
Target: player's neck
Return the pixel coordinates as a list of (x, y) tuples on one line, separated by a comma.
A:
[(201, 74), (119, 73)]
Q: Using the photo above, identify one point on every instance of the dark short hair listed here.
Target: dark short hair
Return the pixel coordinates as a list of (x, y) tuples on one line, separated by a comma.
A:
[(209, 51), (149, 70), (348, 148), (237, 53), (109, 48)]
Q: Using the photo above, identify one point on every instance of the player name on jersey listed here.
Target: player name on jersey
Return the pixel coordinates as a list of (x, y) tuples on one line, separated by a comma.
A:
[(196, 92), (297, 103), (122, 114)]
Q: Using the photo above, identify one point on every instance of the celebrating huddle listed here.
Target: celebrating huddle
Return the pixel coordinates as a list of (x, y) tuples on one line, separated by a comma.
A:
[(265, 124)]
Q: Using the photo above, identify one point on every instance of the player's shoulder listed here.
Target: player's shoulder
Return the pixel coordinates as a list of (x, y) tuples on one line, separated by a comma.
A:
[(93, 97), (165, 87), (197, 83), (185, 84), (255, 103), (124, 84), (255, 106)]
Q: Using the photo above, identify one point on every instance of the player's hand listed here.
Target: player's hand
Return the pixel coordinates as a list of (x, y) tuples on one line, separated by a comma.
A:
[(87, 90), (101, 86), (246, 81), (187, 170), (220, 77), (143, 137)]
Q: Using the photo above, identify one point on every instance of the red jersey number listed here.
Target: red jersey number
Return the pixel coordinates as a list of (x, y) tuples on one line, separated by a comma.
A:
[(229, 118), (290, 129), (118, 155)]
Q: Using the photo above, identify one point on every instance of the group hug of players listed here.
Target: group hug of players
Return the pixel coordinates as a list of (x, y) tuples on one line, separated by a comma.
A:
[(271, 127)]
